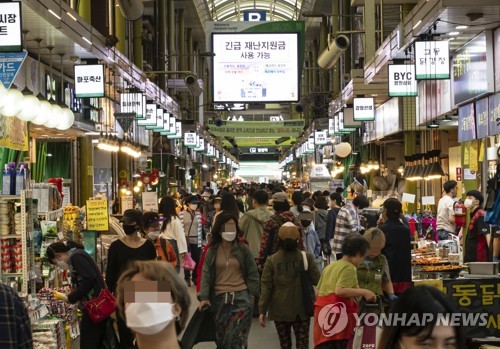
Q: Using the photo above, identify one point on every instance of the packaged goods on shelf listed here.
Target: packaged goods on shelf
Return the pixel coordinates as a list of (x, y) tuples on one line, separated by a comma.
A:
[(47, 196), (49, 334)]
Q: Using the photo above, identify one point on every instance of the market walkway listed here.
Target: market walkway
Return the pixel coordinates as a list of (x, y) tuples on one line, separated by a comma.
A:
[(261, 338)]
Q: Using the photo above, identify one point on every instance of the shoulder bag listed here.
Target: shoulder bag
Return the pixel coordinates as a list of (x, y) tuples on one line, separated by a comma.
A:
[(307, 287)]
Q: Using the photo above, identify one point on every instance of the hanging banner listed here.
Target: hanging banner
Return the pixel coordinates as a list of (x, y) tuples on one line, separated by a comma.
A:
[(287, 128), (494, 115), (482, 118), (466, 123), (432, 60), (364, 109), (10, 26), (149, 201), (97, 215), (402, 82), (13, 133), (10, 64), (89, 80)]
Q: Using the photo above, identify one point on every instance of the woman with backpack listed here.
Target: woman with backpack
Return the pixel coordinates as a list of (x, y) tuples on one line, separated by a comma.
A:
[(229, 283)]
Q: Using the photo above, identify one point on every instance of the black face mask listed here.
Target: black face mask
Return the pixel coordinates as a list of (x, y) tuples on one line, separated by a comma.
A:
[(129, 229), (305, 224)]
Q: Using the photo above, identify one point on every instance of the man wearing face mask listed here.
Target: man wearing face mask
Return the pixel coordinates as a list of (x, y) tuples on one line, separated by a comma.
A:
[(445, 222), (207, 208), (121, 252), (193, 227), (477, 240), (152, 230)]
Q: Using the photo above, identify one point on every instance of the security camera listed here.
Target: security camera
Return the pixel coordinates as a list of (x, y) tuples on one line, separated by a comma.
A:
[(303, 103), (218, 121), (131, 9), (192, 84), (331, 54)]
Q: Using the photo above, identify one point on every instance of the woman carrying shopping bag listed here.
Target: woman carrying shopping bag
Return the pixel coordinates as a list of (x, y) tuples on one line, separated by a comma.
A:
[(281, 288)]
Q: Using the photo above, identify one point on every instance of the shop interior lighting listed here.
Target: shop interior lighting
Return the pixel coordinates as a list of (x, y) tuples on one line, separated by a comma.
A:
[(433, 124), (417, 24), (108, 143), (87, 40), (419, 169), (435, 170), (427, 165), (401, 169), (461, 27), (71, 16), (453, 33)]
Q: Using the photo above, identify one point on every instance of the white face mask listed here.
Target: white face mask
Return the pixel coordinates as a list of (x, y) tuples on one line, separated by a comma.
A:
[(153, 235), (468, 203), (193, 207), (63, 265), (148, 318), (228, 236)]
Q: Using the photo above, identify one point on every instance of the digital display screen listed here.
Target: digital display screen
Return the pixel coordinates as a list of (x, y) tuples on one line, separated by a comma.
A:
[(255, 67)]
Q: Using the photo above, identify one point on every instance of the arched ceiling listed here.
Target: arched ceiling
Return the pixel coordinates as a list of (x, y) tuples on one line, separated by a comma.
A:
[(232, 10)]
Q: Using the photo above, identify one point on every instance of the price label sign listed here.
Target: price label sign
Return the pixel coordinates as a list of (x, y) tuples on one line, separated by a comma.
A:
[(97, 215)]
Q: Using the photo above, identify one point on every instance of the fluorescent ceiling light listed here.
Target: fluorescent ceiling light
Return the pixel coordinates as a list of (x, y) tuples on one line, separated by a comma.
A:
[(111, 59), (71, 16), (460, 27), (84, 38), (453, 33), (418, 23), (54, 14)]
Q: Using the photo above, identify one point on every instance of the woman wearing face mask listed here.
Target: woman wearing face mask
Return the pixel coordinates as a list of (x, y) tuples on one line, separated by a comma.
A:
[(164, 250), (311, 239), (229, 283), (88, 283), (158, 324), (428, 304), (193, 227), (172, 228), (121, 252), (478, 235)]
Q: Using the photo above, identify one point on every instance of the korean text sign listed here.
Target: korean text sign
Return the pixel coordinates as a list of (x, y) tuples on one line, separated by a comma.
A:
[(466, 123), (364, 109), (89, 80), (402, 81), (10, 26), (255, 67), (97, 215), (432, 60)]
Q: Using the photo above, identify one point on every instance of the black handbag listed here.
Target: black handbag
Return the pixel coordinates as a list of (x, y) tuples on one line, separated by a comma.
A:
[(201, 328), (325, 247), (308, 293), (110, 340)]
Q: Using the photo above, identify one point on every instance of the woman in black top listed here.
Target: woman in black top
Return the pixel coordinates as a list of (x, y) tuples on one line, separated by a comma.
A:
[(88, 284), (121, 252)]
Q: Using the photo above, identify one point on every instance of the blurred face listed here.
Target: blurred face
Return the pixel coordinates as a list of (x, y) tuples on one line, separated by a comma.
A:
[(442, 337), (358, 260), (154, 227), (374, 252)]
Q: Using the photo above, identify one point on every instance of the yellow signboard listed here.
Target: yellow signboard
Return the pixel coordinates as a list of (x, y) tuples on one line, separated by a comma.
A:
[(13, 133), (97, 215)]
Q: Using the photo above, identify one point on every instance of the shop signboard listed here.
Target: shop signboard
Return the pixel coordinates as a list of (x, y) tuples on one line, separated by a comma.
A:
[(251, 67), (402, 82), (331, 127), (201, 145), (482, 118), (190, 139), (287, 128), (97, 212), (89, 80), (387, 118), (10, 26), (364, 109), (494, 115), (150, 118), (466, 123), (473, 69), (159, 121), (432, 60), (178, 131), (349, 119), (310, 145), (320, 138), (133, 103), (149, 201), (168, 130)]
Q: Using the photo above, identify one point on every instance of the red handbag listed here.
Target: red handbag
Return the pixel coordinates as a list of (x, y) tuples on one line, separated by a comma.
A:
[(101, 307)]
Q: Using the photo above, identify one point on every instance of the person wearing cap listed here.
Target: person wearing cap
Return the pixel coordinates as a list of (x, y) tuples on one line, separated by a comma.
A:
[(477, 240), (121, 252), (152, 230), (269, 242), (207, 208), (193, 228), (397, 247), (373, 273), (311, 238), (308, 205), (281, 292)]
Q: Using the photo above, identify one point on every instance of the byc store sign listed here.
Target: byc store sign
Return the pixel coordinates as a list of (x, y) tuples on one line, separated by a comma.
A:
[(402, 82)]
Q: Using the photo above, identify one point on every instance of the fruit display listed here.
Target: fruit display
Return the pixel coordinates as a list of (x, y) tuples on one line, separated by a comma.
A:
[(72, 222)]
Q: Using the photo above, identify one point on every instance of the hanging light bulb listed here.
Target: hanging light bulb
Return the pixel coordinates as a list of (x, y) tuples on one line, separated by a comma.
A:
[(31, 106), (3, 95), (43, 115), (67, 119), (376, 165), (55, 115), (13, 102)]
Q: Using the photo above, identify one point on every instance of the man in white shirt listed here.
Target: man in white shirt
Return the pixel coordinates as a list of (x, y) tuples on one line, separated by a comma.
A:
[(445, 212)]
